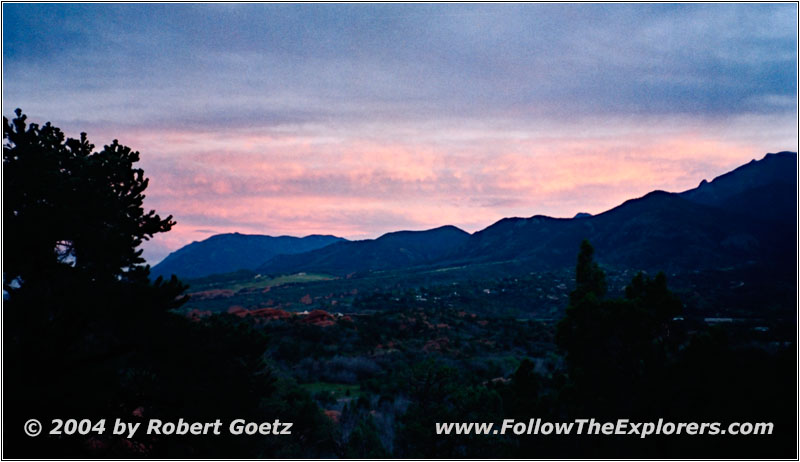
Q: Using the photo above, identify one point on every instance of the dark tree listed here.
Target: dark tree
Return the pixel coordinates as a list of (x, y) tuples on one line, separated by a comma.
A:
[(655, 296), (589, 278), (614, 347), (86, 334), (65, 204)]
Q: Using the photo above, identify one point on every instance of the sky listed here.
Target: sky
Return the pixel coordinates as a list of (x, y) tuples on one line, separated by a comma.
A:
[(361, 119)]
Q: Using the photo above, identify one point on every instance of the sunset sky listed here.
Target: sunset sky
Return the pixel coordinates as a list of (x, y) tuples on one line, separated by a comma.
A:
[(356, 120)]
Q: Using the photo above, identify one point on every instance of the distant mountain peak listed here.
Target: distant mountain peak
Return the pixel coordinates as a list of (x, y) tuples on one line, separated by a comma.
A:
[(446, 229), (781, 154), (228, 252), (760, 188), (657, 196), (399, 249)]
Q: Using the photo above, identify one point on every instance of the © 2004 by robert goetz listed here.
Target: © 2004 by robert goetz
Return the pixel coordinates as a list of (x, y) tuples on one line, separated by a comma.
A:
[(158, 427)]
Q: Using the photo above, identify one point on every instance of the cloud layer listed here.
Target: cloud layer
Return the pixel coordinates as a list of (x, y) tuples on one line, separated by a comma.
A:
[(361, 119)]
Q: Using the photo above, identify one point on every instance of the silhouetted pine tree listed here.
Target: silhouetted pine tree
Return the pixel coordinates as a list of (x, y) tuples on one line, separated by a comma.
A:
[(86, 333)]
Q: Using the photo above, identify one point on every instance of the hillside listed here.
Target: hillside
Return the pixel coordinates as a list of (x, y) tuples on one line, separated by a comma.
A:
[(763, 189), (658, 231), (746, 215), (225, 253), (402, 249)]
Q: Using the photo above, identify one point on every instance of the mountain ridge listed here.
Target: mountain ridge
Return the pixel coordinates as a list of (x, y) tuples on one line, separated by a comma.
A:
[(228, 252), (407, 248), (741, 216)]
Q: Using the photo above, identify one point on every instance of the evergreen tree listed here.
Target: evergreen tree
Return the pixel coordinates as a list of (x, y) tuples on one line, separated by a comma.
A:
[(86, 334), (65, 204), (614, 346), (589, 278)]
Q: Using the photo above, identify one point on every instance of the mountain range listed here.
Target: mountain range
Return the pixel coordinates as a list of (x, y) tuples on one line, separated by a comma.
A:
[(744, 216)]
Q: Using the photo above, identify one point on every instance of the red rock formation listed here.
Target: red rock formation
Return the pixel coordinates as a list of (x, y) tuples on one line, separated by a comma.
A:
[(333, 415), (270, 314), (238, 311), (320, 318)]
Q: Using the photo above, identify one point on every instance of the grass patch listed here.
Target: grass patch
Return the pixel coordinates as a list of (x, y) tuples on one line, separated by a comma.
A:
[(261, 282)]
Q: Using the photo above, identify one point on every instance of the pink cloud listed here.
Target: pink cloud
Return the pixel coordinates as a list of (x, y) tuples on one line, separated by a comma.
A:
[(357, 187)]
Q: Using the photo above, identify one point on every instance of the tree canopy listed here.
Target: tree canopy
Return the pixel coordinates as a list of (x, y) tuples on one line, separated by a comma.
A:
[(86, 333), (67, 204)]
